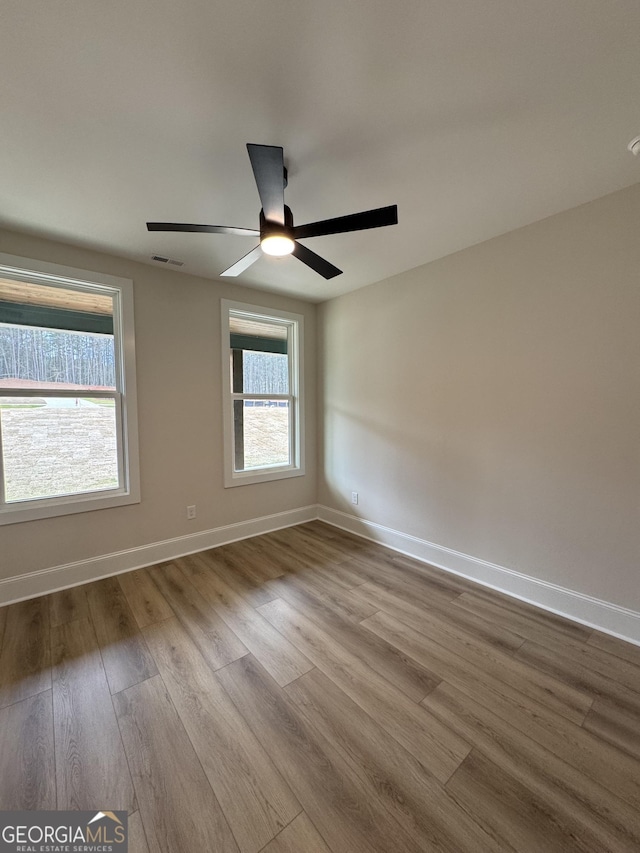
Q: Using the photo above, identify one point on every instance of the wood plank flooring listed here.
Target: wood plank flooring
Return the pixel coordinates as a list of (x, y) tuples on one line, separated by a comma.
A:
[(308, 691), (90, 762)]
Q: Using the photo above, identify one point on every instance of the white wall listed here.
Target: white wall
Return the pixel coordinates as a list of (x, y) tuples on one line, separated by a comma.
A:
[(489, 402), (178, 354)]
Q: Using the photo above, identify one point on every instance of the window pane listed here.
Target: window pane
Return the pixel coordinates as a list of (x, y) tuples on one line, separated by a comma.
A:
[(51, 358), (265, 373), (26, 303), (58, 446), (262, 335), (264, 427)]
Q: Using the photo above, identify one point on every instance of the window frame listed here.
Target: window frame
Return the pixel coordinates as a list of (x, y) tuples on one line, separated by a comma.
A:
[(295, 351), (128, 492)]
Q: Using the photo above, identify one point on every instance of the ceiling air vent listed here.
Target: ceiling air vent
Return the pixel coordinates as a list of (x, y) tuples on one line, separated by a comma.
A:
[(164, 260)]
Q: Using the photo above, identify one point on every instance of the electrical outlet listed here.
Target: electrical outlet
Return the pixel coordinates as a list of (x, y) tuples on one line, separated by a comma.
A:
[(191, 512), (354, 498)]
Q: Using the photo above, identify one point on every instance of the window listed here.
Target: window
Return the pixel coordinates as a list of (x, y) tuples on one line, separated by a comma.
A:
[(68, 434), (261, 357)]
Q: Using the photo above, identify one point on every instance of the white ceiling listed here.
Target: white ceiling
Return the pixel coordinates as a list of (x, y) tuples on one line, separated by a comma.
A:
[(474, 117)]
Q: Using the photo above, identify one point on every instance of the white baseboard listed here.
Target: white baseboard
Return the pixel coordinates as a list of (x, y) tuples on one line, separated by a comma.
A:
[(593, 612), (72, 574)]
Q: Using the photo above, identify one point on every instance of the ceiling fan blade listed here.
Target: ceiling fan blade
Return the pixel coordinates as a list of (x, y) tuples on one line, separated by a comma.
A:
[(207, 229), (318, 264), (244, 263), (267, 162), (353, 222)]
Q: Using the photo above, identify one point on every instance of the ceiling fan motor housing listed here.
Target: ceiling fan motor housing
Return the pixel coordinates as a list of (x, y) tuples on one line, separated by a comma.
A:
[(268, 228)]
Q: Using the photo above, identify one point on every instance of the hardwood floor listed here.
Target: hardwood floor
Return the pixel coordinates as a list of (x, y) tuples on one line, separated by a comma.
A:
[(308, 691), (90, 762)]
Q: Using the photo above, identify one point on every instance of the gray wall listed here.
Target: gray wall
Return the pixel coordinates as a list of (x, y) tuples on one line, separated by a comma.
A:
[(489, 402)]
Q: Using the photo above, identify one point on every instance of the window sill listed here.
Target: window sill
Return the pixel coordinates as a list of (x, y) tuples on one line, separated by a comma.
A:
[(246, 478), (54, 507)]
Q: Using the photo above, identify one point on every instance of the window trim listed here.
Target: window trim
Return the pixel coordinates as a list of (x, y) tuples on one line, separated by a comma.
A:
[(296, 387), (55, 275)]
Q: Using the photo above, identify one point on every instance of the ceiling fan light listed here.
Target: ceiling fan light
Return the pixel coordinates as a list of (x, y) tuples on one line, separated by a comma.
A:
[(277, 245)]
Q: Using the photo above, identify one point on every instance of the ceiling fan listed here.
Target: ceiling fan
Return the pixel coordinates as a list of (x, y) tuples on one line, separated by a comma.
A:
[(278, 235)]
